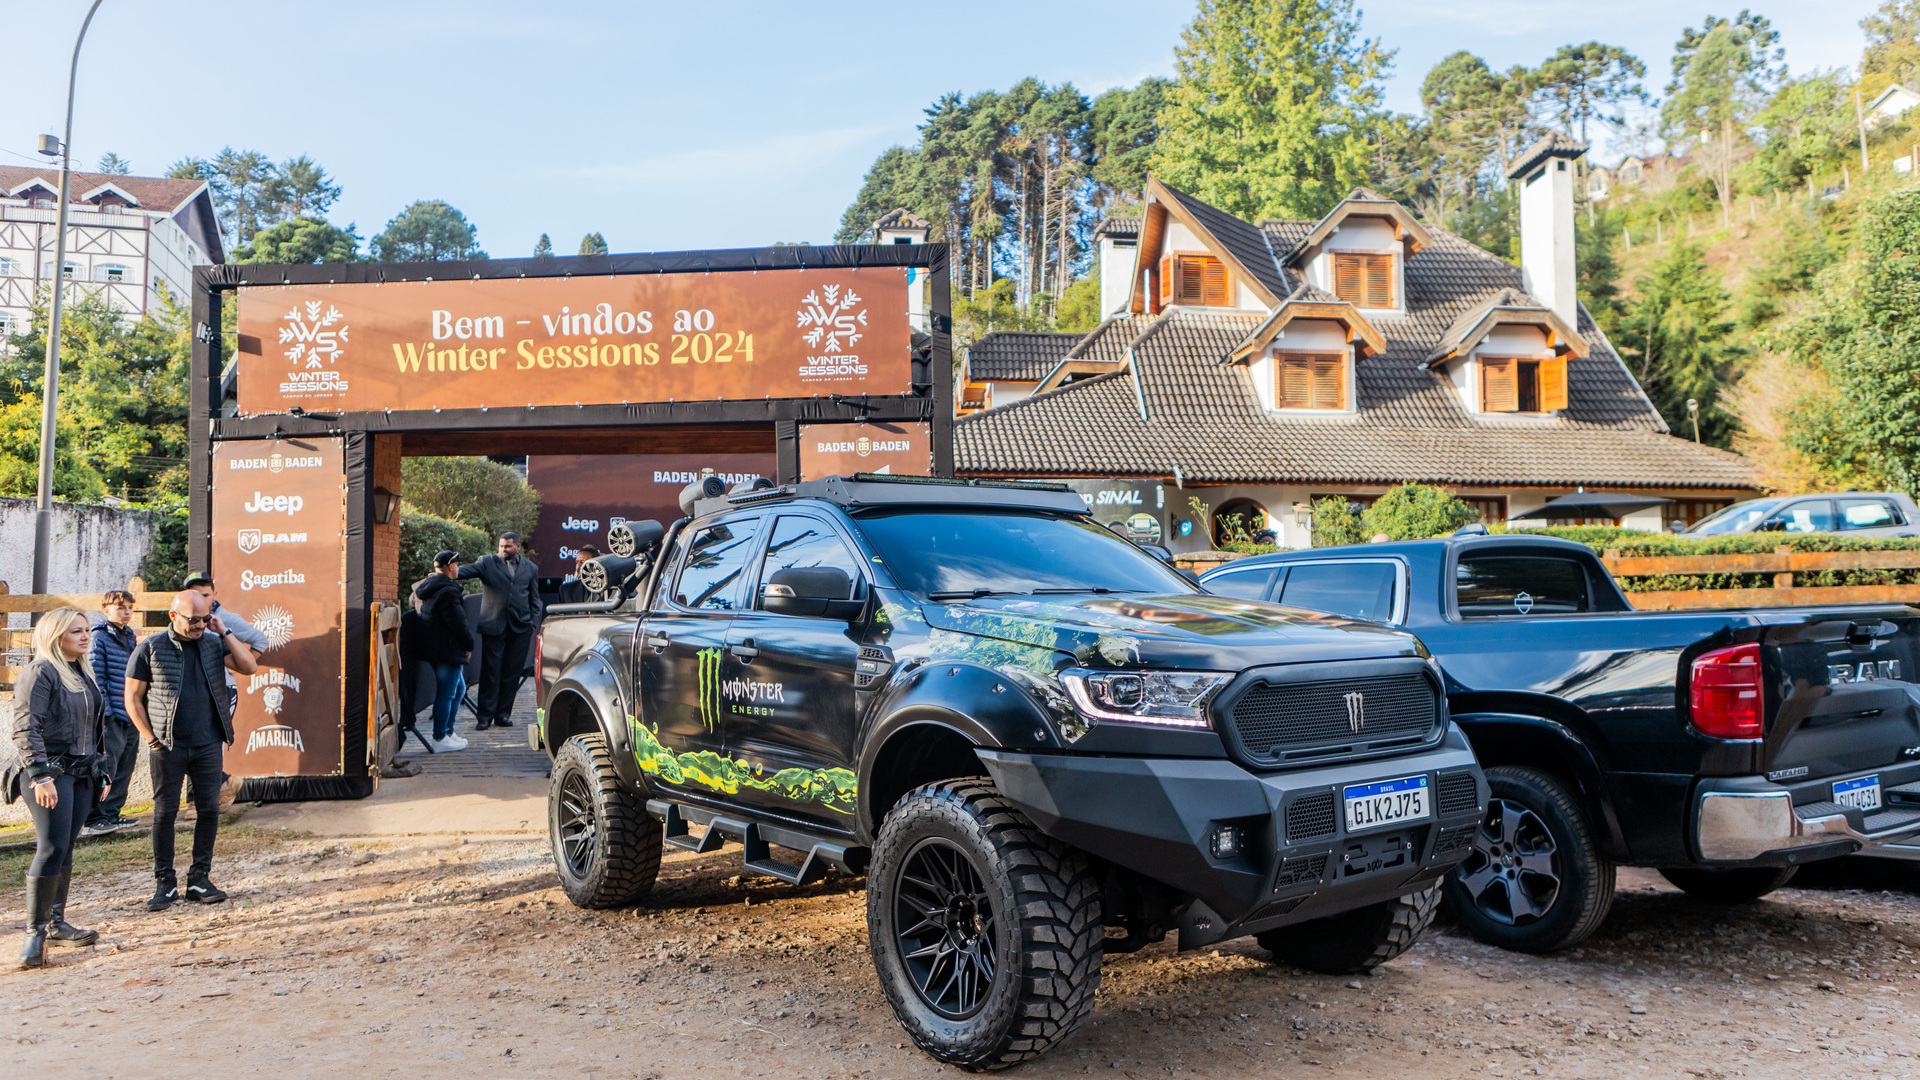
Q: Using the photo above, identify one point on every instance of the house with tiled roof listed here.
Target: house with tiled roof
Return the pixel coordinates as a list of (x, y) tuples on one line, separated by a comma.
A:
[(128, 237), (1260, 367)]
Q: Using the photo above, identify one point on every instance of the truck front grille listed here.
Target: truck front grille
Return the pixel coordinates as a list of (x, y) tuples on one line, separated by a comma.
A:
[(1458, 794), (1310, 816), (1274, 722)]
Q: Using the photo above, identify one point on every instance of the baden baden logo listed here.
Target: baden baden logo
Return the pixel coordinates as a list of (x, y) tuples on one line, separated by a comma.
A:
[(276, 623), (275, 462), (313, 337)]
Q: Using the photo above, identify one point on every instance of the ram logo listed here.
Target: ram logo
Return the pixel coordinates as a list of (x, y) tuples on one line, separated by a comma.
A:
[(1356, 711)]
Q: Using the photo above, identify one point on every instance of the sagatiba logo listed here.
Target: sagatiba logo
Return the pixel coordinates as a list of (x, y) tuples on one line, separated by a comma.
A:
[(250, 581), (276, 623), (831, 325)]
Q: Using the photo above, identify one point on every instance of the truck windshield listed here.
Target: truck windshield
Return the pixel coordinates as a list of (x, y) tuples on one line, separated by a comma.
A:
[(950, 554)]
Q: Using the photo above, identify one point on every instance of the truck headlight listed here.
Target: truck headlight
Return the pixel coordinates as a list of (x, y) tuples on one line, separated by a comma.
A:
[(1167, 698)]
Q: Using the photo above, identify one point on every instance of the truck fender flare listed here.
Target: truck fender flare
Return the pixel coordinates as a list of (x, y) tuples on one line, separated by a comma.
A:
[(592, 680), (1490, 730)]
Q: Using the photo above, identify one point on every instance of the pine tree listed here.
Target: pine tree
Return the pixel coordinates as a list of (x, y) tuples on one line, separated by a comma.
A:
[(1676, 343), (1274, 105), (593, 244), (543, 248)]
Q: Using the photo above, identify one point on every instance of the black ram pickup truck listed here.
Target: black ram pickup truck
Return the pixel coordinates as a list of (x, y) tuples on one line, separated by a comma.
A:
[(1724, 748), (1037, 742)]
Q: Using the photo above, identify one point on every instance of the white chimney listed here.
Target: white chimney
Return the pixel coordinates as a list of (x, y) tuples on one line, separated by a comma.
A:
[(1119, 238), (1545, 173)]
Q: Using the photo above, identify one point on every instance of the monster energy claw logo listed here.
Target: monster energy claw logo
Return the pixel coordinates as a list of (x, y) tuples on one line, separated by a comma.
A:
[(709, 687)]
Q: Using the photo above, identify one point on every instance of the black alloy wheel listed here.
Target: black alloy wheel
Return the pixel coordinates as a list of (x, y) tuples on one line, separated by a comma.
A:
[(948, 933), (1510, 873), (574, 823), (1536, 879), (606, 849)]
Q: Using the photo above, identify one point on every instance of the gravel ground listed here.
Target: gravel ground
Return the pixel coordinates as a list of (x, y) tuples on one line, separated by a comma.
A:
[(438, 957)]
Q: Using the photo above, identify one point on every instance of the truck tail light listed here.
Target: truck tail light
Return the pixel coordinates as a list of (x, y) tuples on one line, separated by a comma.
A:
[(1726, 699), (539, 640)]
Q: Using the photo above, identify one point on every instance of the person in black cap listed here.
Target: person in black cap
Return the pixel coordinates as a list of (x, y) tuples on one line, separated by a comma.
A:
[(447, 644), (510, 611)]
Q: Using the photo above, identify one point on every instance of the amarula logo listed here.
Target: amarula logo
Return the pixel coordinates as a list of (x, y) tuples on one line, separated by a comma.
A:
[(275, 736), (709, 687)]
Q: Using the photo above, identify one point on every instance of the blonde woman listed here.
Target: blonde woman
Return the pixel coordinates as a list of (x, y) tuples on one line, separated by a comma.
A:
[(58, 718)]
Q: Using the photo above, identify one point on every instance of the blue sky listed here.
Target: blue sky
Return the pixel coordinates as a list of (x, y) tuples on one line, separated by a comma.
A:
[(671, 126)]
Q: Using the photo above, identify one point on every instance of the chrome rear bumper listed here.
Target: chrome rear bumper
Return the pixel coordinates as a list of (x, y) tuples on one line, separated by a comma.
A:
[(1742, 826)]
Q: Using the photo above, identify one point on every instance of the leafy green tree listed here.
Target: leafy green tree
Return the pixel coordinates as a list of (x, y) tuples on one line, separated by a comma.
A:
[(593, 244), (1724, 73), (1274, 105), (114, 165), (1892, 54), (482, 494), (299, 241), (424, 535), (1789, 263), (250, 192), (1861, 329), (888, 185), (1596, 270), (1479, 118), (543, 248), (1123, 128), (299, 188), (427, 231), (1415, 512), (1336, 522), (1583, 82), (1677, 344), (1809, 127)]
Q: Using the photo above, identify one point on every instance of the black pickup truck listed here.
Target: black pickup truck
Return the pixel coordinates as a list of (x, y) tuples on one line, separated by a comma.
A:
[(1724, 748), (1038, 742)]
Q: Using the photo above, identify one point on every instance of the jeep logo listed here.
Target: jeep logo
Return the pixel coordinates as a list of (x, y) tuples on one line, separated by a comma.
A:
[(274, 504), (574, 524)]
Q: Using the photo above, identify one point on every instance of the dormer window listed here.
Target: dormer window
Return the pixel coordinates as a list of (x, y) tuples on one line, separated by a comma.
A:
[(1364, 278), (1517, 384), (1310, 380), (1200, 280)]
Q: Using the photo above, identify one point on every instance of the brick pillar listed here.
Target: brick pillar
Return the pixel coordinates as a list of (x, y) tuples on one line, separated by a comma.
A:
[(386, 538)]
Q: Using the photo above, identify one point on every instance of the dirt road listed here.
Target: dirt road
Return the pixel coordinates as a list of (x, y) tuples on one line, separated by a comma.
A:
[(437, 957)]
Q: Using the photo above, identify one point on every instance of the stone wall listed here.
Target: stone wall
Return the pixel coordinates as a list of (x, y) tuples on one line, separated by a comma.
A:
[(95, 548)]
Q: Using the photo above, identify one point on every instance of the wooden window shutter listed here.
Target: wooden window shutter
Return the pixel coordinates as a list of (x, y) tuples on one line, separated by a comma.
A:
[(1347, 278), (1553, 384), (1296, 384), (1214, 293), (1379, 287), (1311, 382), (1166, 279), (1363, 279), (1499, 385), (1192, 280), (1329, 383)]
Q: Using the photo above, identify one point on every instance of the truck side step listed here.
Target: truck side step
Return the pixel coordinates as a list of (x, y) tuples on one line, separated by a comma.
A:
[(822, 854)]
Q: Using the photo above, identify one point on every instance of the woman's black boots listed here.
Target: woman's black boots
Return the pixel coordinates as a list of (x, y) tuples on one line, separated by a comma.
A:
[(40, 894), (59, 931)]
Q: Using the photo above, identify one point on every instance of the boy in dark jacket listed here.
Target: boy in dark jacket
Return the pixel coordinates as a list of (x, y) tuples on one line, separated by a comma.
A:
[(113, 642), (447, 645)]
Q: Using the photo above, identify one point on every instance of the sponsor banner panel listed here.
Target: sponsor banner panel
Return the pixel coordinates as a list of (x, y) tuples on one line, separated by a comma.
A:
[(1136, 509), (584, 495), (844, 449), (565, 341), (279, 545)]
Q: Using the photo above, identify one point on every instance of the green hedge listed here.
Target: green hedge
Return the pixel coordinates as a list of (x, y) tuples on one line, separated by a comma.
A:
[(422, 536), (1635, 542)]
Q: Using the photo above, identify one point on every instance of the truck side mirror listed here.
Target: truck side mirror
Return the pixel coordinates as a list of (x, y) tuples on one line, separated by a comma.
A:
[(1158, 552), (814, 591)]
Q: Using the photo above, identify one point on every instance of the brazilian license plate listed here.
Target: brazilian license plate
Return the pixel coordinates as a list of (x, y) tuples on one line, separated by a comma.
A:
[(1862, 792), (1387, 802)]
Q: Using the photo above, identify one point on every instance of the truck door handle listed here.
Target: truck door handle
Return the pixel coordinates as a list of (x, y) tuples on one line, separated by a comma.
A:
[(745, 650), (656, 640)]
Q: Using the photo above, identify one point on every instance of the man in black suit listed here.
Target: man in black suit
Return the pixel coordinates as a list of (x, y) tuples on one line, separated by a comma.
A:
[(510, 612)]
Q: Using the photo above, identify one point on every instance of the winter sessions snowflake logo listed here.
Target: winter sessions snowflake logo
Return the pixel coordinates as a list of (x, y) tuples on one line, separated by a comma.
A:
[(315, 334), (833, 320)]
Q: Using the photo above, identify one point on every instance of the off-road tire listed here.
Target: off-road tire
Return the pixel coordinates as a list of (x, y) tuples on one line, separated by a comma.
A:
[(1357, 940), (1584, 874), (614, 865), (1736, 886), (1045, 907)]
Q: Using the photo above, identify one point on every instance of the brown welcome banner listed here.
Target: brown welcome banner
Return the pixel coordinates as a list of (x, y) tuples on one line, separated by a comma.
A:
[(279, 547), (562, 341)]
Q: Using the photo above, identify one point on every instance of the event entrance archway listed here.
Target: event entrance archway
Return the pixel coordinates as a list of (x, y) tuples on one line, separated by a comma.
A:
[(299, 423)]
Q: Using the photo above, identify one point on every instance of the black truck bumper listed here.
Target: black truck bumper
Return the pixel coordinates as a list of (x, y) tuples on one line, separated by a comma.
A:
[(1292, 859)]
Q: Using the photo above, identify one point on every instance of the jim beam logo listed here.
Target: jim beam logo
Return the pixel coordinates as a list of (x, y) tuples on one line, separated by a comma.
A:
[(273, 686), (832, 320), (315, 336)]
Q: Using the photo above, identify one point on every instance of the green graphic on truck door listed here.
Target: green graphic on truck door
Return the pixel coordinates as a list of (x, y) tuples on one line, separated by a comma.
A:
[(710, 687), (835, 789)]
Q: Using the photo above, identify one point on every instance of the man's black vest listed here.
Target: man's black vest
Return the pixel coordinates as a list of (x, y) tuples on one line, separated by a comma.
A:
[(169, 671)]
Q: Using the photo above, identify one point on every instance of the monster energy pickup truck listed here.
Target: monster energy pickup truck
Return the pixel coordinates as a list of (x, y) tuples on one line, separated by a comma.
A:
[(1037, 741)]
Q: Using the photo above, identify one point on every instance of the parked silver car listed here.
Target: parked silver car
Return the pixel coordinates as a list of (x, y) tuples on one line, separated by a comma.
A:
[(1856, 513)]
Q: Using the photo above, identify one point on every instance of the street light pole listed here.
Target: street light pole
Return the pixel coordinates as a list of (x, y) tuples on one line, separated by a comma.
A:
[(50, 383)]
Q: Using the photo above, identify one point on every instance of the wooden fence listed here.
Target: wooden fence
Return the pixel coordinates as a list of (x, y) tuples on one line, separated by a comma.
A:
[(1783, 563), (149, 610)]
